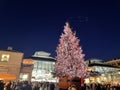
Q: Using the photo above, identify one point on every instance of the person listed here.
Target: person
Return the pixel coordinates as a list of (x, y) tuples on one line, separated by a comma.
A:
[(56, 86), (52, 86), (26, 86), (73, 87), (83, 87), (2, 85), (98, 87)]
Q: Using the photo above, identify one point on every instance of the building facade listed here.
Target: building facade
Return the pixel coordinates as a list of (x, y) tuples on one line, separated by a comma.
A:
[(43, 67), (38, 67), (26, 70), (114, 62), (102, 72), (10, 64)]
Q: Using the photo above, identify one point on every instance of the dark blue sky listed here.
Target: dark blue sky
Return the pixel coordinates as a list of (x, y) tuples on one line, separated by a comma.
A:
[(29, 25)]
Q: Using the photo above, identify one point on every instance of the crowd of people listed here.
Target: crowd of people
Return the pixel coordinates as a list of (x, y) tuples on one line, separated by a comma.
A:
[(25, 85), (94, 86)]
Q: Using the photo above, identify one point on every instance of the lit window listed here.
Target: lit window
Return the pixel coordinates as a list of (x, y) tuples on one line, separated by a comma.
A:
[(24, 76), (5, 58)]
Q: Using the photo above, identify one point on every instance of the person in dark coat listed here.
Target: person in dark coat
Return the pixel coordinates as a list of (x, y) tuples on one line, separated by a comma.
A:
[(52, 86), (8, 86), (83, 87), (98, 87), (1, 85), (26, 86)]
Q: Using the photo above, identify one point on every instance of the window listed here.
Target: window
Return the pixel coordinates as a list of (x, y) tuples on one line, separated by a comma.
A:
[(5, 57), (24, 76)]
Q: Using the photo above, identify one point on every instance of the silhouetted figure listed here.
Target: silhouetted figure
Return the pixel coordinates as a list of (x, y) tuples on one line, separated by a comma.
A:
[(1, 85), (26, 86), (98, 87), (52, 86)]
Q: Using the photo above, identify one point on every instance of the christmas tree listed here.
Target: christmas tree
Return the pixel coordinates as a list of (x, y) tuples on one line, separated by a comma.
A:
[(69, 60)]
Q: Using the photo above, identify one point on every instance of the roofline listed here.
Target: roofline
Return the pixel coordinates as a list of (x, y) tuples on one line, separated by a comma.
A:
[(42, 59), (105, 65), (94, 59), (11, 51)]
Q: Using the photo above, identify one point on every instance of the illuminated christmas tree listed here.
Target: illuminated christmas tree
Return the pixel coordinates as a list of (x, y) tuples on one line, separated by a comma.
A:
[(69, 60)]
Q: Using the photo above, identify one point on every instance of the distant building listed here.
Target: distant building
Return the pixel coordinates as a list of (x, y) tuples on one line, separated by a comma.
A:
[(13, 66), (26, 69), (102, 72), (10, 64), (114, 62), (43, 67), (40, 67)]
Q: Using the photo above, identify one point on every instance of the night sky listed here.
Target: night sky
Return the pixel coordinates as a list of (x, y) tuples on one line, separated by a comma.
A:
[(30, 25)]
